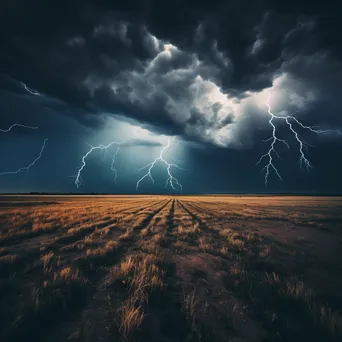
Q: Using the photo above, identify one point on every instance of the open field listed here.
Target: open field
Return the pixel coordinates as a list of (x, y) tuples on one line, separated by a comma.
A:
[(169, 269)]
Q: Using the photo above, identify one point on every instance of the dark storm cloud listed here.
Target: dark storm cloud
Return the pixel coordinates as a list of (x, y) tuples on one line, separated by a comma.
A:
[(20, 106), (170, 65)]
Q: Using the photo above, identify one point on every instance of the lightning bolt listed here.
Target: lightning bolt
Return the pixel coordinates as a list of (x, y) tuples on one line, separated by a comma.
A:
[(174, 183), (290, 120), (32, 92), (115, 171), (78, 176), (16, 125), (27, 168)]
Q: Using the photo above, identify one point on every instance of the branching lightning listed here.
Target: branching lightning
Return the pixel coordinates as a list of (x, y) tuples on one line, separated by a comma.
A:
[(24, 168), (171, 180), (27, 168), (16, 125), (78, 176), (290, 120)]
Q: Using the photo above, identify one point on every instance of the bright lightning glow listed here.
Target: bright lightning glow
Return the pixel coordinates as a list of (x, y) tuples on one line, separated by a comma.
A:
[(174, 183), (78, 177), (16, 125), (32, 92), (289, 119), (27, 168)]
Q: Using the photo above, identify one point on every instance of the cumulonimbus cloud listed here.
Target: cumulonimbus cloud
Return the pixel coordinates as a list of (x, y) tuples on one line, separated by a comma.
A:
[(203, 80)]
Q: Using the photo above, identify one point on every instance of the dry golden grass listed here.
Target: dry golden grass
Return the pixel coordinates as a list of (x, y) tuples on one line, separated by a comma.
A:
[(143, 276), (161, 268), (109, 247), (234, 239), (159, 239), (127, 235), (190, 304), (67, 274), (47, 261), (130, 316), (141, 273), (295, 290), (144, 232)]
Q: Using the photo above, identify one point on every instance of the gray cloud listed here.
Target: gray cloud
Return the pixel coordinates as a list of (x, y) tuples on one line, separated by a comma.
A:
[(204, 79)]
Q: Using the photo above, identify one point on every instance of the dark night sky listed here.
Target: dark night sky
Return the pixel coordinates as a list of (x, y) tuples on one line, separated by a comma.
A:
[(200, 72)]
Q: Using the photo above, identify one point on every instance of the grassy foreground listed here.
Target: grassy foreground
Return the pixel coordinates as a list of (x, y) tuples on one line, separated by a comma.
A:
[(157, 268)]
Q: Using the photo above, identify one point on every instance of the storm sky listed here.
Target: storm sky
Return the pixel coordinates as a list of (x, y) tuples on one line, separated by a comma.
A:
[(88, 73)]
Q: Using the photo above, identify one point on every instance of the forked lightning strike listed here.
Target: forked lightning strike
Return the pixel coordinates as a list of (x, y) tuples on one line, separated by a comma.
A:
[(27, 168), (174, 183), (78, 177), (290, 120)]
